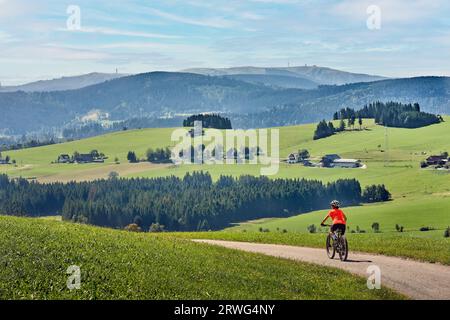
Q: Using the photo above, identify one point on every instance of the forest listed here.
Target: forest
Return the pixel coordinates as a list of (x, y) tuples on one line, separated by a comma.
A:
[(214, 121), (391, 114), (193, 202)]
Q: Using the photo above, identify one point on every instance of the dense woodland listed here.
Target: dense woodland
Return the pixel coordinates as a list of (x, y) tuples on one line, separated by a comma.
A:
[(208, 121), (392, 114), (194, 202)]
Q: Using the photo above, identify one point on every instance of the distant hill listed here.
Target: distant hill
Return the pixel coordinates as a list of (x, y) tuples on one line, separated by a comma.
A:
[(276, 80), (150, 95), (432, 93), (64, 83), (318, 75), (163, 94)]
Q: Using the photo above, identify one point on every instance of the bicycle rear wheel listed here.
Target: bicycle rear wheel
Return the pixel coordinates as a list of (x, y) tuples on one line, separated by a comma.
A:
[(343, 249), (331, 252)]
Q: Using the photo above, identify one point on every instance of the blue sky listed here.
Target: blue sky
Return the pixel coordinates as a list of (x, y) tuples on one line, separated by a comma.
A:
[(140, 36)]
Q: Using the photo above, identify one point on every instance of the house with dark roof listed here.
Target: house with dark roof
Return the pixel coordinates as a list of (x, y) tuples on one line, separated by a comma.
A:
[(292, 158), (84, 158), (437, 160), (328, 159), (64, 158)]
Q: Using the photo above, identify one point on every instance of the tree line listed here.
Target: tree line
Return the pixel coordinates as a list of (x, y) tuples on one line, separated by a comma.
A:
[(209, 121), (193, 202), (391, 114), (158, 155), (325, 129)]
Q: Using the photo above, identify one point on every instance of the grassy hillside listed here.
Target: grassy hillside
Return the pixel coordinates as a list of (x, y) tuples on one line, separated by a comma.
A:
[(391, 244), (412, 214), (421, 197), (406, 148), (35, 254)]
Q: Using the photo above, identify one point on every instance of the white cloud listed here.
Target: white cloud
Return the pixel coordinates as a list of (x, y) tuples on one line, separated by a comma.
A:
[(116, 32), (214, 22), (49, 52), (6, 37), (391, 11)]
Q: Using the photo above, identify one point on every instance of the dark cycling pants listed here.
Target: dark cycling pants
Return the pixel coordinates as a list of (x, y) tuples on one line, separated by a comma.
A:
[(339, 226)]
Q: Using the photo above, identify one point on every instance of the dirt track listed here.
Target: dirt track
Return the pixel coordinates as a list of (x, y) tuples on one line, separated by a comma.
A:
[(417, 280)]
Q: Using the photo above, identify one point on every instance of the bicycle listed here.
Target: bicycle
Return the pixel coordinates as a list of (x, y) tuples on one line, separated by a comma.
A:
[(338, 244)]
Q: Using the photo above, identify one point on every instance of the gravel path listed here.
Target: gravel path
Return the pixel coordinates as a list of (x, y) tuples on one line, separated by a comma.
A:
[(417, 280)]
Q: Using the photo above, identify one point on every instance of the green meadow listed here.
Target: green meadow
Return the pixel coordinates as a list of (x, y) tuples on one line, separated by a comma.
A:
[(412, 214), (36, 253), (407, 245), (169, 266), (421, 197)]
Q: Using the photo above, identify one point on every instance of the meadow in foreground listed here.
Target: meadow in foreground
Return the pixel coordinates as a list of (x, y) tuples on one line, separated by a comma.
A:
[(35, 255)]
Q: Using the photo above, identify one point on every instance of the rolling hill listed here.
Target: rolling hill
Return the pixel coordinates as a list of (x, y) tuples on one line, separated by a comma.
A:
[(414, 190), (318, 75), (420, 199), (432, 93), (162, 94), (278, 81), (64, 83), (152, 95)]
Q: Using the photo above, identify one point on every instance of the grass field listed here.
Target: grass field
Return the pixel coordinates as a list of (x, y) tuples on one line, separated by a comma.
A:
[(407, 245), (409, 213), (420, 197), (35, 255), (406, 148)]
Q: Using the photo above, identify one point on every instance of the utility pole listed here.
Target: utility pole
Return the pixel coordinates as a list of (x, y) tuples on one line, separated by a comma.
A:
[(386, 146)]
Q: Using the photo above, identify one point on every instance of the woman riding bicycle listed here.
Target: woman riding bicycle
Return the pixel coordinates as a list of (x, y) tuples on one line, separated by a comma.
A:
[(338, 217)]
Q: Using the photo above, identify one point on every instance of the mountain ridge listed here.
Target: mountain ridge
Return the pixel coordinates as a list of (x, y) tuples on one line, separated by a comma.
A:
[(167, 94), (64, 83), (319, 75)]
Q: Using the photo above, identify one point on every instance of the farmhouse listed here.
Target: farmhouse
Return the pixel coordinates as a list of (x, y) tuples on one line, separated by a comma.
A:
[(292, 158), (346, 163), (84, 158), (437, 160), (327, 160), (64, 158), (4, 160)]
